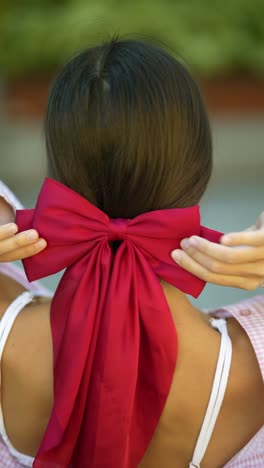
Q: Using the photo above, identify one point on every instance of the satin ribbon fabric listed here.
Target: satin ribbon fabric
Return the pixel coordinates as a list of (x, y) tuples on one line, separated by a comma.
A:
[(114, 340)]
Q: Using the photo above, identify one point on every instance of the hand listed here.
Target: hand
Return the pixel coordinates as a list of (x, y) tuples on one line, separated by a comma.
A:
[(15, 246), (237, 262), (7, 215)]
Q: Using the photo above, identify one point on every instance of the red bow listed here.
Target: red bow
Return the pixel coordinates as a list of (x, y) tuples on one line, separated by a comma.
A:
[(115, 343)]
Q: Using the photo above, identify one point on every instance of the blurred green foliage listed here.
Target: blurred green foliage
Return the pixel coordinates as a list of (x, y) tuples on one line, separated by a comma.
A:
[(213, 37)]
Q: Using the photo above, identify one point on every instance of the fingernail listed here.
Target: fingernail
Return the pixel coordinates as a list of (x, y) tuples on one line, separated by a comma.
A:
[(176, 255), (41, 244), (227, 239), (12, 228), (185, 243), (32, 235), (193, 242)]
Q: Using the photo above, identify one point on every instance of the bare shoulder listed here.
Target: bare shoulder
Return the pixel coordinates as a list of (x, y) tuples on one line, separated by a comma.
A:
[(29, 344), (27, 376), (31, 329)]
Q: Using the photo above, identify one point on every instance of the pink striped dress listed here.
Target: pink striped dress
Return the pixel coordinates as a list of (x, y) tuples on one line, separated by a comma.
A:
[(250, 315)]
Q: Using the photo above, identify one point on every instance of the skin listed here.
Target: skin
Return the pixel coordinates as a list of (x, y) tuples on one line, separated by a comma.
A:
[(241, 414), (26, 370), (14, 245)]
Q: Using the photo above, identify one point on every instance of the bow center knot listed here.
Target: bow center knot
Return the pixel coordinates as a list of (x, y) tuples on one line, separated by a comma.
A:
[(117, 229)]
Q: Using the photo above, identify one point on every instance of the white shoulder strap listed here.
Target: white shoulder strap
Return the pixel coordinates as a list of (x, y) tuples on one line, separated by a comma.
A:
[(10, 316), (217, 394)]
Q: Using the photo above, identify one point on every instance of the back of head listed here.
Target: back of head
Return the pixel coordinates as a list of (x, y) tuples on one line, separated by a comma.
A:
[(126, 128)]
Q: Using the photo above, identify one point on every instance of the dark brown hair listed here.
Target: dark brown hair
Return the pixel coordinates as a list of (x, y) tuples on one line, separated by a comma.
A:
[(126, 128)]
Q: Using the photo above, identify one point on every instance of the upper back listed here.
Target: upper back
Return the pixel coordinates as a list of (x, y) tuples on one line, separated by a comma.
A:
[(242, 412)]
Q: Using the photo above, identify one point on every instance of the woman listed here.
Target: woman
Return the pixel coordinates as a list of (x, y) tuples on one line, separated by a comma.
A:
[(135, 142)]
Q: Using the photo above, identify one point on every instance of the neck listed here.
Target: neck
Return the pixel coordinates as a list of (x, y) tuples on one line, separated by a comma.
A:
[(183, 312)]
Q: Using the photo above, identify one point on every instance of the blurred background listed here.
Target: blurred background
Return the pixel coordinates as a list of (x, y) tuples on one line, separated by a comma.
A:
[(221, 42)]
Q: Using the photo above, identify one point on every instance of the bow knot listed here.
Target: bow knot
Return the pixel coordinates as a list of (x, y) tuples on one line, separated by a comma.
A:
[(117, 229)]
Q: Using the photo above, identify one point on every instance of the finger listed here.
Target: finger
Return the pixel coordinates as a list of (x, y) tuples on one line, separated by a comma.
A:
[(19, 240), (24, 252), (225, 254), (8, 230), (213, 265), (252, 238), (260, 221), (186, 262), (249, 229)]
